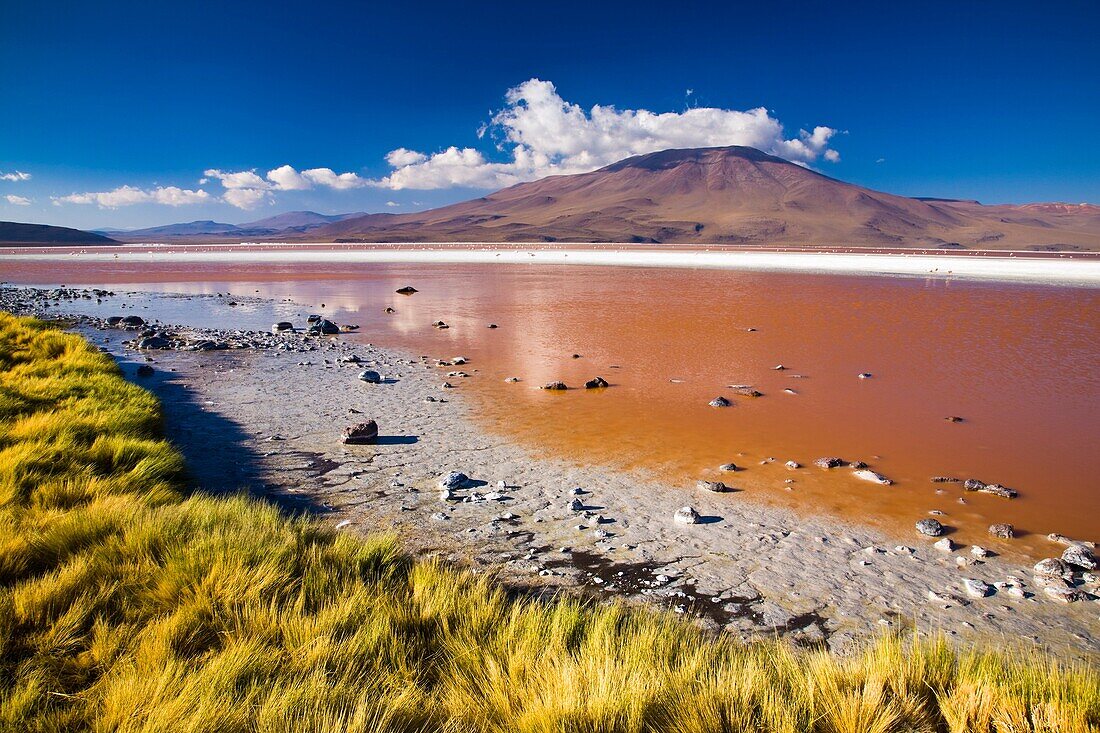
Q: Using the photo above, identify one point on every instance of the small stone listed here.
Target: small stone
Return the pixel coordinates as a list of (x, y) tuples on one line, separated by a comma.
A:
[(1052, 567), (976, 588), (596, 383), (944, 545), (864, 375), (1003, 531), (512, 380), (370, 376), (407, 290), (454, 480), (282, 326), (1079, 556), (576, 505), (1061, 539), (686, 515), (362, 433), (979, 551), (953, 418), (145, 370), (1062, 593), (793, 465), (866, 474), (554, 386), (831, 462), (719, 402), (715, 486), (729, 467)]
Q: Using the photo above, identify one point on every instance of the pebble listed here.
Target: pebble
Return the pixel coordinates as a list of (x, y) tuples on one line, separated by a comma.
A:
[(686, 515)]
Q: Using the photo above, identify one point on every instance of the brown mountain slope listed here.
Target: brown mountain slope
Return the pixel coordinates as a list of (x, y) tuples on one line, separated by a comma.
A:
[(17, 234), (733, 195)]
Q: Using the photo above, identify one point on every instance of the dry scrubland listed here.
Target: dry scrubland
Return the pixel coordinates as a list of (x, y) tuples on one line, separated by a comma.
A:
[(127, 604)]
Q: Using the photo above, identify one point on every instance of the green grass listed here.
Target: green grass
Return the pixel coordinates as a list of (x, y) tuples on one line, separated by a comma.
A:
[(128, 605)]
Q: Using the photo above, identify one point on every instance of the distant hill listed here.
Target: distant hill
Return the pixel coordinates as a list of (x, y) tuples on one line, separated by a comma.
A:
[(16, 234), (731, 195), (289, 224), (297, 219), (188, 229)]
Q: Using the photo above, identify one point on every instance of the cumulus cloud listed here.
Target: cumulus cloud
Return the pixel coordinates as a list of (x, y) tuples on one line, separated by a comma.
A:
[(545, 135), (15, 176), (130, 195), (17, 200), (247, 189)]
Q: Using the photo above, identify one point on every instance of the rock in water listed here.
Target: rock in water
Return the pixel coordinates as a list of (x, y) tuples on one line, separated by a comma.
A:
[(867, 474), (361, 433), (597, 383), (133, 321), (744, 390), (407, 290), (945, 545), (145, 370), (729, 467), (114, 320), (154, 342), (1079, 556), (686, 515), (282, 326), (929, 527), (370, 376), (555, 386), (716, 486), (832, 462), (454, 480), (313, 318), (325, 327), (1003, 531), (719, 402)]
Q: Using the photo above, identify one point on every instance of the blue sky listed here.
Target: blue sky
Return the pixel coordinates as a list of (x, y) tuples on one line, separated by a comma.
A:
[(135, 114)]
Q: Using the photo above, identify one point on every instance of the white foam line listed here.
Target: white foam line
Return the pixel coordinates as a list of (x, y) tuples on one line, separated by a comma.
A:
[(1004, 268)]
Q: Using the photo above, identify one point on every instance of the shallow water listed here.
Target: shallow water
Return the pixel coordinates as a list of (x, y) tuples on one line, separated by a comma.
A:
[(1019, 364)]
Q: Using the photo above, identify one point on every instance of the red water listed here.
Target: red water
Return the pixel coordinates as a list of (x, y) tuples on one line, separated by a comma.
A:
[(1019, 364)]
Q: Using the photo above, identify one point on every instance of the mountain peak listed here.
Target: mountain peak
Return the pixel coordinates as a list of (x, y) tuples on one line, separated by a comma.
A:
[(665, 159)]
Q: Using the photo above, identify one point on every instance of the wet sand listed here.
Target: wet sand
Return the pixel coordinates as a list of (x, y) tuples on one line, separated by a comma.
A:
[(1018, 364)]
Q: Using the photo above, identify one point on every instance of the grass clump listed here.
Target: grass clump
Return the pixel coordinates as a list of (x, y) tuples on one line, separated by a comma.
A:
[(128, 605)]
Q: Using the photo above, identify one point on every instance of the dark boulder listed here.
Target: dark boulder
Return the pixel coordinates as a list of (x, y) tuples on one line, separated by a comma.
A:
[(361, 433), (597, 383)]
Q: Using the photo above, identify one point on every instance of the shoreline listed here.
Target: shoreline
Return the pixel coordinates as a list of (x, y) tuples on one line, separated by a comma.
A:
[(994, 266), (748, 569)]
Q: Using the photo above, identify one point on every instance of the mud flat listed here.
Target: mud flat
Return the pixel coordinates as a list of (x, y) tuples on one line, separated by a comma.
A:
[(269, 420)]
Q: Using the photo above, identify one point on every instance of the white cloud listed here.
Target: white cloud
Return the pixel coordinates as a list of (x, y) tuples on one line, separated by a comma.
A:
[(130, 195), (240, 179), (246, 189), (15, 176), (392, 204), (285, 178), (332, 179), (403, 156), (245, 198), (546, 135), (17, 200)]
